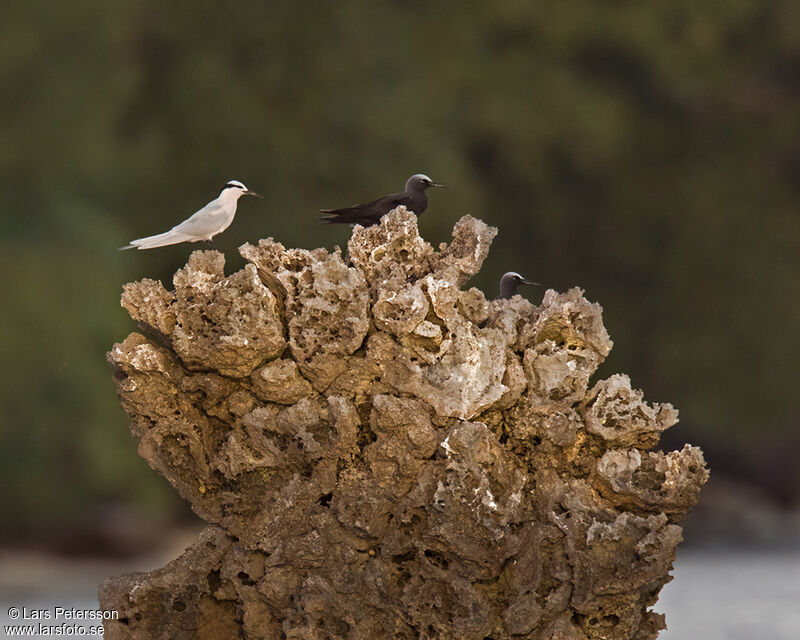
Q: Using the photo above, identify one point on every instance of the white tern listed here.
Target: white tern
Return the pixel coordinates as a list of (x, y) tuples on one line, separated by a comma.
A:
[(212, 219)]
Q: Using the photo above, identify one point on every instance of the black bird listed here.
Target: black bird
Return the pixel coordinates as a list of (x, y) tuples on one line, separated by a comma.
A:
[(371, 213), (509, 283)]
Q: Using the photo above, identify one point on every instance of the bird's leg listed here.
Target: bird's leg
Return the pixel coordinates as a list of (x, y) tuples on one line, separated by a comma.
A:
[(211, 244)]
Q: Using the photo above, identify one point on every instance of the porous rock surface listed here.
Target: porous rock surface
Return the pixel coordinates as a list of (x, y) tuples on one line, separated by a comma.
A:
[(382, 454)]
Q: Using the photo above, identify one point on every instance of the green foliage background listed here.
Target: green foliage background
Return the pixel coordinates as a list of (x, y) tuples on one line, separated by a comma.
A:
[(647, 152)]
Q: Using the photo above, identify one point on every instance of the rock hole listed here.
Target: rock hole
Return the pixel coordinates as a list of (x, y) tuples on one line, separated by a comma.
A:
[(437, 558), (408, 556), (245, 579), (125, 620), (178, 605), (366, 436), (214, 580), (325, 500)]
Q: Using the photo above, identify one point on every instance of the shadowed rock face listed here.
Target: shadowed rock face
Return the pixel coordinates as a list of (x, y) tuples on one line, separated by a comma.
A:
[(383, 455)]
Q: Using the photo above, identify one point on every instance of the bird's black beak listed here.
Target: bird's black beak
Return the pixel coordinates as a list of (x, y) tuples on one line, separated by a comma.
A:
[(536, 284), (253, 193)]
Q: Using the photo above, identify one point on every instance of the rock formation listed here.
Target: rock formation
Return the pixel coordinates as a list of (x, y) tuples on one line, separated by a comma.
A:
[(382, 454)]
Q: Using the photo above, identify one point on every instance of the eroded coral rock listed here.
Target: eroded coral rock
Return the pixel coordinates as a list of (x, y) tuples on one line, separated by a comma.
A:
[(150, 304), (385, 455), (280, 381), (617, 413), (229, 325)]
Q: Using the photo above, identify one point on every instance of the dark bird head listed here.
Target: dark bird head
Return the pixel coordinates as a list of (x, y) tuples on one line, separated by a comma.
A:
[(235, 189), (509, 283), (420, 182)]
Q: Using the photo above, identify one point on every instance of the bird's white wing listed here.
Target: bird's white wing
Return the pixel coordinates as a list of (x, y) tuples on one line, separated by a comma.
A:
[(206, 221)]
